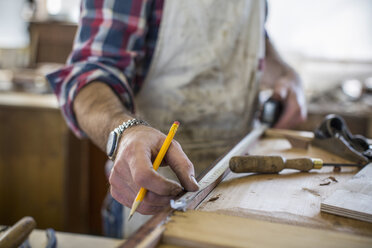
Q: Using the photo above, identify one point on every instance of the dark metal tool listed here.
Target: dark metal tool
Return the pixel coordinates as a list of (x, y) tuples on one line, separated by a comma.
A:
[(271, 111), (334, 136)]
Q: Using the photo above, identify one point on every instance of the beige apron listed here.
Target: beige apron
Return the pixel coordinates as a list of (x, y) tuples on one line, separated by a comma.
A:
[(204, 74)]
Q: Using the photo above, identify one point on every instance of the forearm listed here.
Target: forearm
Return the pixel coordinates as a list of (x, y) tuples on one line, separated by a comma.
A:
[(275, 66), (98, 111), (287, 88)]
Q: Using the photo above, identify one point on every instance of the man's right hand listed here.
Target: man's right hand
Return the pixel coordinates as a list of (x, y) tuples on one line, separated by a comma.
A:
[(98, 111), (139, 145)]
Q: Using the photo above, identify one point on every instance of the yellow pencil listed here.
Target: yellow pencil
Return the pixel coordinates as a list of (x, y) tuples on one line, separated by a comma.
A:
[(164, 148)]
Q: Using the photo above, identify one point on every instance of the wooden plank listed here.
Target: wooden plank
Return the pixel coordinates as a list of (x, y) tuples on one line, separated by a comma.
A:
[(283, 133), (279, 146), (311, 217), (354, 198), (149, 234), (205, 229), (221, 168), (289, 197), (299, 139), (152, 226), (138, 238)]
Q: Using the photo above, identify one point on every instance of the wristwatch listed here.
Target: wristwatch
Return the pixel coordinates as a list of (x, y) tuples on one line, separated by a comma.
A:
[(115, 135)]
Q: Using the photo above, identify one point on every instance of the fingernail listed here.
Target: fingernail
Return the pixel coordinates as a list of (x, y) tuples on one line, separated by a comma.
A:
[(195, 182)]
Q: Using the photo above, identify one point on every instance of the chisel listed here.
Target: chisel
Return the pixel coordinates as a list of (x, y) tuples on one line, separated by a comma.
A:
[(275, 164)]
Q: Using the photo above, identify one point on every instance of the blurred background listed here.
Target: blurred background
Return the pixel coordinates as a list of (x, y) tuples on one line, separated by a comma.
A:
[(49, 174)]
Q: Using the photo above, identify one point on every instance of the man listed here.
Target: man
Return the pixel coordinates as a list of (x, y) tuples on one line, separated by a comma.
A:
[(195, 61)]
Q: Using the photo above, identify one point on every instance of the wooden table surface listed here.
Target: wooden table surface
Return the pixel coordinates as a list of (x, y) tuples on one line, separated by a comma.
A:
[(266, 210), (290, 197), (38, 239), (271, 210)]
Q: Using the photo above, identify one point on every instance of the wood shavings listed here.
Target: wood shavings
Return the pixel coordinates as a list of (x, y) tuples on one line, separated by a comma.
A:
[(311, 191), (333, 179), (324, 184), (215, 198), (328, 181)]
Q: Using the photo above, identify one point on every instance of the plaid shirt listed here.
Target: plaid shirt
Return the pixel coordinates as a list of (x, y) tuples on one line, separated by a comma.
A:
[(114, 44)]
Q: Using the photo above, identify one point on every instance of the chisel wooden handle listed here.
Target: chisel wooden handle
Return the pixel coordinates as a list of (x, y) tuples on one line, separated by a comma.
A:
[(18, 233), (271, 164)]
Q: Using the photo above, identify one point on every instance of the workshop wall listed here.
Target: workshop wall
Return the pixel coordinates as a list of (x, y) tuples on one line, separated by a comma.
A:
[(326, 41)]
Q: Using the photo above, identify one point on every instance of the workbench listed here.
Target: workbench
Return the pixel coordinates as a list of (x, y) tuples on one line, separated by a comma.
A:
[(288, 202), (45, 170), (38, 238), (252, 210)]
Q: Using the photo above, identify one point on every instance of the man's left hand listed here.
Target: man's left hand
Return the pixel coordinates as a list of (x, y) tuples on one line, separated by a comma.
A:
[(288, 89)]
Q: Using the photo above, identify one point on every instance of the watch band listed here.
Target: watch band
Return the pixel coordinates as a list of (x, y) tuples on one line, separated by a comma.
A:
[(115, 135), (127, 124)]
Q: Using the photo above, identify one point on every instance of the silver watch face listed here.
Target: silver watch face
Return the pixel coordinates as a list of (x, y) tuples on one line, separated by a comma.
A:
[(111, 144)]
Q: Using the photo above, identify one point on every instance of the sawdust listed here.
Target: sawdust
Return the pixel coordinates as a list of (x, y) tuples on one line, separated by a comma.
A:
[(311, 191)]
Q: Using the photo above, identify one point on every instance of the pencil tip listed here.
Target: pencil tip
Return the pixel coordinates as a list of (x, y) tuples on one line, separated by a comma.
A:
[(130, 217), (133, 209)]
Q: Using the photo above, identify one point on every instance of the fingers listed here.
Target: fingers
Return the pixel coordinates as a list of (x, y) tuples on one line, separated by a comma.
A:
[(147, 210), (182, 166), (144, 207), (131, 189), (289, 118), (125, 189), (294, 113), (145, 176), (126, 194), (288, 90), (154, 199), (138, 158), (133, 170)]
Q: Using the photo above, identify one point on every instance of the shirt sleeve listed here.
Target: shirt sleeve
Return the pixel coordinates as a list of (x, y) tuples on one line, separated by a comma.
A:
[(109, 39)]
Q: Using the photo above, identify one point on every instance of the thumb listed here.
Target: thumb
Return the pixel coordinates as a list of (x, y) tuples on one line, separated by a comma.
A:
[(182, 166)]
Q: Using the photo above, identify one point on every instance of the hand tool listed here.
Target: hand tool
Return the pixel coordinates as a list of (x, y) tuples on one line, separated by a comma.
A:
[(334, 136), (275, 164), (18, 233), (271, 111), (164, 148)]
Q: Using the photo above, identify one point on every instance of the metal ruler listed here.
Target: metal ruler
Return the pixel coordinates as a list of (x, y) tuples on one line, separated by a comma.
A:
[(219, 168)]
